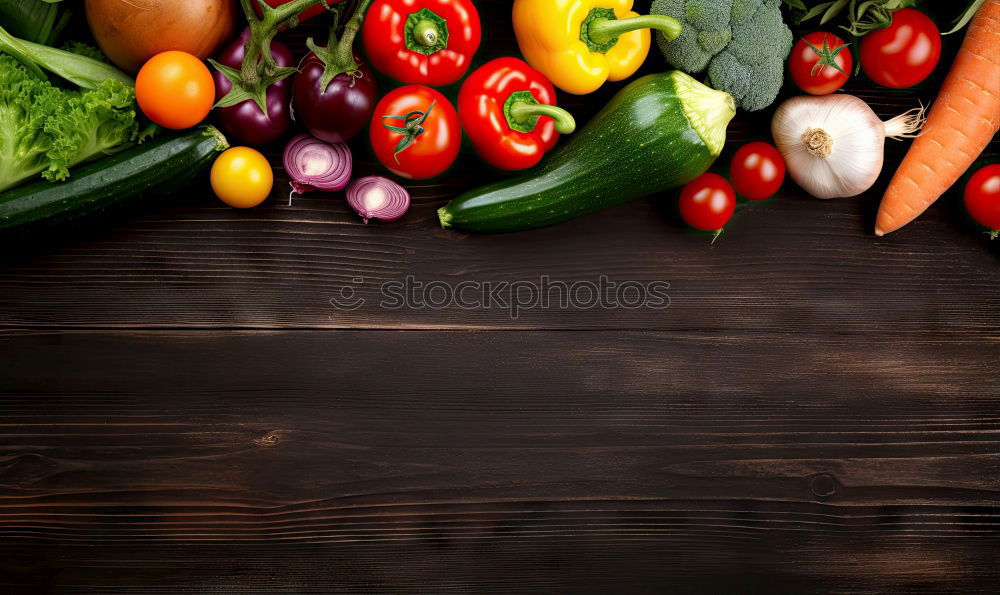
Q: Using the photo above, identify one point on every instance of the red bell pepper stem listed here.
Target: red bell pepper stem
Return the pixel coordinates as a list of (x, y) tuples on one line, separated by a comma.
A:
[(524, 113), (501, 105), (426, 33)]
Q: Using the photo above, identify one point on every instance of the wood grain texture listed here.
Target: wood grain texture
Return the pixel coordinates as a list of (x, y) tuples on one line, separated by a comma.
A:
[(183, 409), (597, 462)]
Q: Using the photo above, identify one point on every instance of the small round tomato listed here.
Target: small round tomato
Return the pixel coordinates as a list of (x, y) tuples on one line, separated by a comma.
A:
[(708, 202), (415, 132), (175, 89), (757, 171), (820, 63), (242, 177), (982, 197), (904, 53)]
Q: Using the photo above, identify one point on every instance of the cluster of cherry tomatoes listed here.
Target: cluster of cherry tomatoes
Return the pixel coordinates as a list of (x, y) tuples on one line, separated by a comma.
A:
[(901, 55)]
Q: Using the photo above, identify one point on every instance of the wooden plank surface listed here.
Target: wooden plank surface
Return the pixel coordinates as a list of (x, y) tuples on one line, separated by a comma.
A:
[(184, 409), (793, 264), (546, 461)]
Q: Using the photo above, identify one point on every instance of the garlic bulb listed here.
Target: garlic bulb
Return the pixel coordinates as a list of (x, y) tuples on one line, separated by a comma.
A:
[(834, 145)]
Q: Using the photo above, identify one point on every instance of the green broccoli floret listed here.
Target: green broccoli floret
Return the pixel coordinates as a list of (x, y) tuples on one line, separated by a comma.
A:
[(46, 129), (742, 44)]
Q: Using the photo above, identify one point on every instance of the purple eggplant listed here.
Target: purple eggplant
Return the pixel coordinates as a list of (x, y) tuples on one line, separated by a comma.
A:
[(342, 110), (335, 91), (245, 121), (232, 55)]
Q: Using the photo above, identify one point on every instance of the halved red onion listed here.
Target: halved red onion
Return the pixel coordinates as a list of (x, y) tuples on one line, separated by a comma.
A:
[(379, 198), (312, 164)]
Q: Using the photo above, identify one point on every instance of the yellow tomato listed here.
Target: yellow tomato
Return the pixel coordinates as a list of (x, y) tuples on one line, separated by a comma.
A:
[(242, 177)]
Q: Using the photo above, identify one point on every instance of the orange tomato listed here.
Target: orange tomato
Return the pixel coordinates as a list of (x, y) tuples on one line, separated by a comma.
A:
[(175, 90)]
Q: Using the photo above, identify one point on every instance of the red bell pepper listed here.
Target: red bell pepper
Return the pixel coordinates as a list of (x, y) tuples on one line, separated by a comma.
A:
[(508, 110), (422, 42)]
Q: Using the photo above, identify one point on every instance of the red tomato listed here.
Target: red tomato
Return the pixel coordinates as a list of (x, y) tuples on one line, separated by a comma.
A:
[(904, 53), (820, 63), (708, 202), (401, 115), (757, 171), (982, 197)]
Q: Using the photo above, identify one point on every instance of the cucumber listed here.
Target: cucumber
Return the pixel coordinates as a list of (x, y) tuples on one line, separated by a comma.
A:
[(155, 167), (660, 132)]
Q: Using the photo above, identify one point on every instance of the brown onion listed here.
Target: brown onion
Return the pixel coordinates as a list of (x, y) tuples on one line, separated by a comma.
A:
[(379, 198), (133, 31)]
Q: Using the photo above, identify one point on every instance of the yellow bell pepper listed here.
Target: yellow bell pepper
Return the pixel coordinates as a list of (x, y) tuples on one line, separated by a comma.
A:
[(581, 44)]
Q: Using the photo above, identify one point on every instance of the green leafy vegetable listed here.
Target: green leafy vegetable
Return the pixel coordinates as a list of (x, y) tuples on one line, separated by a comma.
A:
[(45, 129), (741, 43), (862, 15), (81, 70), (39, 21), (86, 50)]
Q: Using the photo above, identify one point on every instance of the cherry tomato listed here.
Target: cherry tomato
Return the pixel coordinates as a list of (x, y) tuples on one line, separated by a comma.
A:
[(415, 132), (175, 89), (242, 177), (820, 63), (904, 53), (757, 171), (708, 202), (982, 197)]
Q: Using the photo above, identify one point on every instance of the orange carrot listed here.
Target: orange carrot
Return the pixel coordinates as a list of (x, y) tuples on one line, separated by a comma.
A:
[(961, 124)]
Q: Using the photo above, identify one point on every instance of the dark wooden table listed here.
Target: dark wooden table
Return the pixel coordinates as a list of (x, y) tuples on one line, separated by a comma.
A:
[(183, 408)]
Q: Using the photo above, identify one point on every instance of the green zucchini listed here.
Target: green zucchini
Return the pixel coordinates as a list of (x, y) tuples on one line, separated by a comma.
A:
[(660, 132), (154, 167)]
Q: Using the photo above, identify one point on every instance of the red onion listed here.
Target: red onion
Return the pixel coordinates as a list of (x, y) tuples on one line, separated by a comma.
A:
[(379, 198), (315, 165)]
